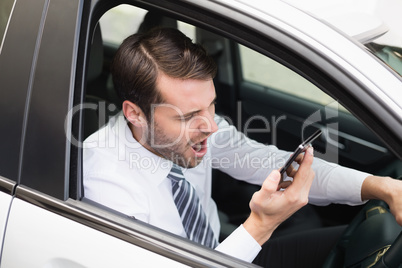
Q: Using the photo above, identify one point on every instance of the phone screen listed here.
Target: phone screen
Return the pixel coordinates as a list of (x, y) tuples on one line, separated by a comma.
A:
[(301, 148)]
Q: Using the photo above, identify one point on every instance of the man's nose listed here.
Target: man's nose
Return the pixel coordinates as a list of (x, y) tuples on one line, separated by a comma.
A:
[(214, 126), (208, 123)]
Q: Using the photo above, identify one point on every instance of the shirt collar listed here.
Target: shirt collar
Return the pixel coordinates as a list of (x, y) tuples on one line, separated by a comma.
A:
[(137, 156)]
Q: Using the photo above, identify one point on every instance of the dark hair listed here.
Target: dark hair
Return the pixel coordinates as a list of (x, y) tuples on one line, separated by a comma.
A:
[(141, 57)]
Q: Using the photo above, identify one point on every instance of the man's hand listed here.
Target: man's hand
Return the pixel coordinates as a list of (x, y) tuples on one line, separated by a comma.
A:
[(270, 207), (386, 189)]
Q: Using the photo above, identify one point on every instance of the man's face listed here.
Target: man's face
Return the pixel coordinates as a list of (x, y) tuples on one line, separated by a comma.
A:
[(179, 127)]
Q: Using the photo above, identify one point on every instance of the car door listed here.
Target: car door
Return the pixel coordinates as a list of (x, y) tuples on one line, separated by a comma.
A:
[(47, 221), (45, 77), (6, 190)]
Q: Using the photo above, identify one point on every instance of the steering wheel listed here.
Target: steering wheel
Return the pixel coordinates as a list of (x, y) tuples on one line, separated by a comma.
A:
[(372, 239)]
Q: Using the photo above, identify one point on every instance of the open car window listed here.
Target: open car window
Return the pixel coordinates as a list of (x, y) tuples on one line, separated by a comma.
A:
[(266, 88), (256, 86)]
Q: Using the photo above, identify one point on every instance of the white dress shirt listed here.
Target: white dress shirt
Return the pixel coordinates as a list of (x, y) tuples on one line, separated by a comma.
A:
[(121, 174)]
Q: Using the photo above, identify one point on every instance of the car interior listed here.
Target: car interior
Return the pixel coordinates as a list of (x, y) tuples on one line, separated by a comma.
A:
[(248, 97)]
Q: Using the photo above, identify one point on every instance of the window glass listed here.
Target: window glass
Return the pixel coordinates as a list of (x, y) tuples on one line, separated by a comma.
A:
[(261, 70), (391, 55), (124, 20), (5, 14)]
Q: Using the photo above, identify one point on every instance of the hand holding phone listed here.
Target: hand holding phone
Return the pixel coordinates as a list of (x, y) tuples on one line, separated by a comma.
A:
[(301, 148)]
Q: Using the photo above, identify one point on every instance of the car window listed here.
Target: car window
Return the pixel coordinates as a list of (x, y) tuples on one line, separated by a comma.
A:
[(5, 14), (391, 55), (271, 75)]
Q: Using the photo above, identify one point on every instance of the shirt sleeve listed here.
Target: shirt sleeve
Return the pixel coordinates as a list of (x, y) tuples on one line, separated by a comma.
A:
[(248, 160), (240, 244), (336, 184)]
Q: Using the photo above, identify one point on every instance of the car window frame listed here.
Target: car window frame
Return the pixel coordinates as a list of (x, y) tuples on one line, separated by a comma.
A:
[(261, 42)]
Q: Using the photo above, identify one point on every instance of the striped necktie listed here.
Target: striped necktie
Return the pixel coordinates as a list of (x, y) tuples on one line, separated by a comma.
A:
[(192, 215)]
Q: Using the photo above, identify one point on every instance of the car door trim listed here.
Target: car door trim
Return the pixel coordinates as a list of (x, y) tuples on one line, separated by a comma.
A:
[(133, 231), (6, 185)]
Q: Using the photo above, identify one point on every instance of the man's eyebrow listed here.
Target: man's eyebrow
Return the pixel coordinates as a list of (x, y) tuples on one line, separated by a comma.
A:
[(194, 112)]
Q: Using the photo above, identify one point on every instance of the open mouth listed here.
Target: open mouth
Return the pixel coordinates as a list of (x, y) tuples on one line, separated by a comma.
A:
[(200, 148)]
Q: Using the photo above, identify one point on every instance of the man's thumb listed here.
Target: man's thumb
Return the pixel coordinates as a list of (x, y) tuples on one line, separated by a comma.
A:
[(270, 184)]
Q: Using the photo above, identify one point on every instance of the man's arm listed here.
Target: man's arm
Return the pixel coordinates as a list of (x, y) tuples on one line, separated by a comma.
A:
[(235, 154), (386, 189)]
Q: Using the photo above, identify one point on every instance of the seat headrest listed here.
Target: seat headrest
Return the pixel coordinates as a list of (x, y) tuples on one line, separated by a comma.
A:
[(156, 19)]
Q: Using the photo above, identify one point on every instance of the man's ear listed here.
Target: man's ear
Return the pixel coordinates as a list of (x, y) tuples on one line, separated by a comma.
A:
[(134, 114)]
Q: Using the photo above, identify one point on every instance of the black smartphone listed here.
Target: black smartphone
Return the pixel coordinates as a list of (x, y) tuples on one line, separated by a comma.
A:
[(301, 148)]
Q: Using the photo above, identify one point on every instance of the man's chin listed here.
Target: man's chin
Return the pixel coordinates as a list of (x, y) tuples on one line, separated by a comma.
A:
[(183, 160)]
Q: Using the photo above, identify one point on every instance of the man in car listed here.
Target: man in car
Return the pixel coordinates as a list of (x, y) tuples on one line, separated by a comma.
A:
[(168, 131)]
